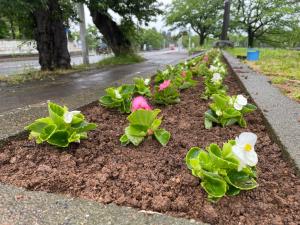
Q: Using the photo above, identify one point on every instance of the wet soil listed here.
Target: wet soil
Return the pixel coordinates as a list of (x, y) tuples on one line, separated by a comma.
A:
[(151, 177)]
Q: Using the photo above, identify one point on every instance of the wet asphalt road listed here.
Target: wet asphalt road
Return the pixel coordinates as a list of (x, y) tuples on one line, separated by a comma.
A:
[(16, 97), (8, 68)]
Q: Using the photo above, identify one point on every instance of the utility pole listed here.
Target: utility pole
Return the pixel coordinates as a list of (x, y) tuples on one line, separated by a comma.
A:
[(84, 47), (190, 40), (226, 19)]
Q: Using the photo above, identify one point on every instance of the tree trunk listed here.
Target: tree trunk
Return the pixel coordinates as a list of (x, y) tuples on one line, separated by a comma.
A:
[(202, 39), (226, 20), (12, 28), (51, 38), (114, 36), (250, 39)]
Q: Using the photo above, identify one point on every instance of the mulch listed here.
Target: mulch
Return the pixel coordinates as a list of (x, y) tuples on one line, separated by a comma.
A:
[(152, 177)]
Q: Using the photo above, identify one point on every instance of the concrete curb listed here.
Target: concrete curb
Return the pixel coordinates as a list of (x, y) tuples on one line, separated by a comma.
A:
[(20, 207), (281, 114)]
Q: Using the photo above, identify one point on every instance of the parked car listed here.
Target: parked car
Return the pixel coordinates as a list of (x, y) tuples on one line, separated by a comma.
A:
[(103, 49)]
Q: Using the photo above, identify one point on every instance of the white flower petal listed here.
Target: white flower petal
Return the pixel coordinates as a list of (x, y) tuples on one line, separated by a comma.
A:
[(117, 93), (247, 138), (241, 166), (251, 157), (238, 151), (241, 100), (68, 116), (237, 106), (147, 81)]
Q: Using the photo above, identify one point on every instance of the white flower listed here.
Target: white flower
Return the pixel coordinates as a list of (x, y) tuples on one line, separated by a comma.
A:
[(240, 102), (216, 78), (213, 68), (219, 113), (147, 81), (117, 93), (244, 149), (68, 116)]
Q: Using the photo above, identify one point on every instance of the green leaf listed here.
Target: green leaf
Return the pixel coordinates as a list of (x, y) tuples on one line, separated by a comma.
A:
[(216, 156), (231, 113), (162, 136), (229, 122), (191, 158), (136, 130), (232, 191), (47, 132), (124, 140), (84, 127), (208, 123), (242, 122), (241, 180), (220, 100), (38, 125), (226, 150), (59, 138), (205, 161), (155, 125), (248, 108), (135, 140), (75, 137), (213, 184), (56, 113), (210, 116), (143, 117), (127, 89)]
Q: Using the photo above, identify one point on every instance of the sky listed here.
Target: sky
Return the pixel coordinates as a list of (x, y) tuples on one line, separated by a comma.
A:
[(158, 24)]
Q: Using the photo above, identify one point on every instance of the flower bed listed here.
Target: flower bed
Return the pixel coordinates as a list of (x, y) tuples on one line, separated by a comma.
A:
[(152, 177)]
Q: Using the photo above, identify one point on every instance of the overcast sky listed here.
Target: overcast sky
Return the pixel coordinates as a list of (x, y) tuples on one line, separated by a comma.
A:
[(158, 24)]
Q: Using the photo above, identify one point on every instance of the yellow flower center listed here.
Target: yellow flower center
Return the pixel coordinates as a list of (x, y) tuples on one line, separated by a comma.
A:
[(248, 147)]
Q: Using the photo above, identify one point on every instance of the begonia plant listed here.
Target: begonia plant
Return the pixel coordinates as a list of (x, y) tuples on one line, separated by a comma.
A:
[(144, 123), (227, 170), (61, 128), (227, 110)]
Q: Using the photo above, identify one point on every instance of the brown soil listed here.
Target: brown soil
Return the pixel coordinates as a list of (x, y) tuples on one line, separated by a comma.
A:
[(152, 177)]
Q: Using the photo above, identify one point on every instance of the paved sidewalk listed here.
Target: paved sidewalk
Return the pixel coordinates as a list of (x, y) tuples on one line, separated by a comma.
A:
[(281, 113), (20, 207)]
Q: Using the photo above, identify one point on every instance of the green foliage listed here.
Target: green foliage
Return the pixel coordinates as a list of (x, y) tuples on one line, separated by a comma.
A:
[(168, 96), (281, 65), (144, 123), (214, 78), (180, 75), (260, 17), (213, 87), (202, 15), (121, 60), (119, 98), (218, 170), (142, 87), (151, 37), (58, 129), (167, 74), (223, 111)]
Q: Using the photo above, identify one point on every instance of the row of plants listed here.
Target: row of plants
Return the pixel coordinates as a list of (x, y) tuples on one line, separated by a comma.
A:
[(223, 171)]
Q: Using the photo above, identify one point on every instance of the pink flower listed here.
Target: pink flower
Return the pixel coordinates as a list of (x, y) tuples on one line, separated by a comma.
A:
[(140, 103), (183, 73), (205, 58), (164, 85)]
